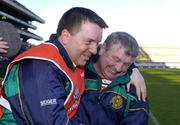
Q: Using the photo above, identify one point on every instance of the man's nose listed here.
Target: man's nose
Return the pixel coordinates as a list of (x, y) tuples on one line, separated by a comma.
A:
[(119, 67), (93, 48)]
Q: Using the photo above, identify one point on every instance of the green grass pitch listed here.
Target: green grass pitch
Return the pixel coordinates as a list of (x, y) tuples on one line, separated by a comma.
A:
[(163, 86)]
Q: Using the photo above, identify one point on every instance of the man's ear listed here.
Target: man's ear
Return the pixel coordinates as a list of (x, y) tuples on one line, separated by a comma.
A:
[(102, 48), (65, 36)]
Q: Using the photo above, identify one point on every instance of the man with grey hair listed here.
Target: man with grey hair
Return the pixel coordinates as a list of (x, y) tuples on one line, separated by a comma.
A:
[(106, 100)]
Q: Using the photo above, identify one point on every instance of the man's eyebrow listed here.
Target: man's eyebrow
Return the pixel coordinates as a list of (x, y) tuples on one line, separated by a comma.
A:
[(90, 39), (116, 58)]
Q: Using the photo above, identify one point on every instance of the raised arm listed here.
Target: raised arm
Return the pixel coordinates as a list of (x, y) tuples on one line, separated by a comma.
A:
[(138, 81)]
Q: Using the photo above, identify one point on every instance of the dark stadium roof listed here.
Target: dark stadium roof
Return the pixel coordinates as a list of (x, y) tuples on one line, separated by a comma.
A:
[(21, 17)]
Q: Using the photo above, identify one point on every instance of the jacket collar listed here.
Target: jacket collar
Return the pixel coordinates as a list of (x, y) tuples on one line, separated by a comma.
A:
[(54, 39)]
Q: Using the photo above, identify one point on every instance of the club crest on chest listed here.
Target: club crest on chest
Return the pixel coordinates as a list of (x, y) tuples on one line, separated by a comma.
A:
[(117, 102)]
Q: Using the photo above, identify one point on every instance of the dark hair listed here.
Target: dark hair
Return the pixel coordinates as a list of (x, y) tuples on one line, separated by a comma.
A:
[(73, 18), (126, 40)]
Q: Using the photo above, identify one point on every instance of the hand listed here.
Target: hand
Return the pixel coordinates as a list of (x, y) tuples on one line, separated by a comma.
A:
[(3, 46), (138, 81)]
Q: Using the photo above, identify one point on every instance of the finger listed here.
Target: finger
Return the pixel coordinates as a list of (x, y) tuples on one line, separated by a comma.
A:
[(3, 50), (138, 92), (4, 46), (3, 42), (144, 97), (144, 94), (128, 86)]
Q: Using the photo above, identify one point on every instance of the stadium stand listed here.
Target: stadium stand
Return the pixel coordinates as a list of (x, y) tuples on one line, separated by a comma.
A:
[(15, 13)]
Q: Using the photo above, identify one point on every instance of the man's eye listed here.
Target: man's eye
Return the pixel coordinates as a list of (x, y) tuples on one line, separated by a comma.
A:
[(116, 59), (127, 65), (88, 43)]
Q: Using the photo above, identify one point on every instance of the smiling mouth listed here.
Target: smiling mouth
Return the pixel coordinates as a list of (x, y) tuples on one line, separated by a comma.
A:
[(86, 57)]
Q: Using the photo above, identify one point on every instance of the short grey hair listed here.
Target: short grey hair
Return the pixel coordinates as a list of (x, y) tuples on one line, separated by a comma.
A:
[(126, 40)]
